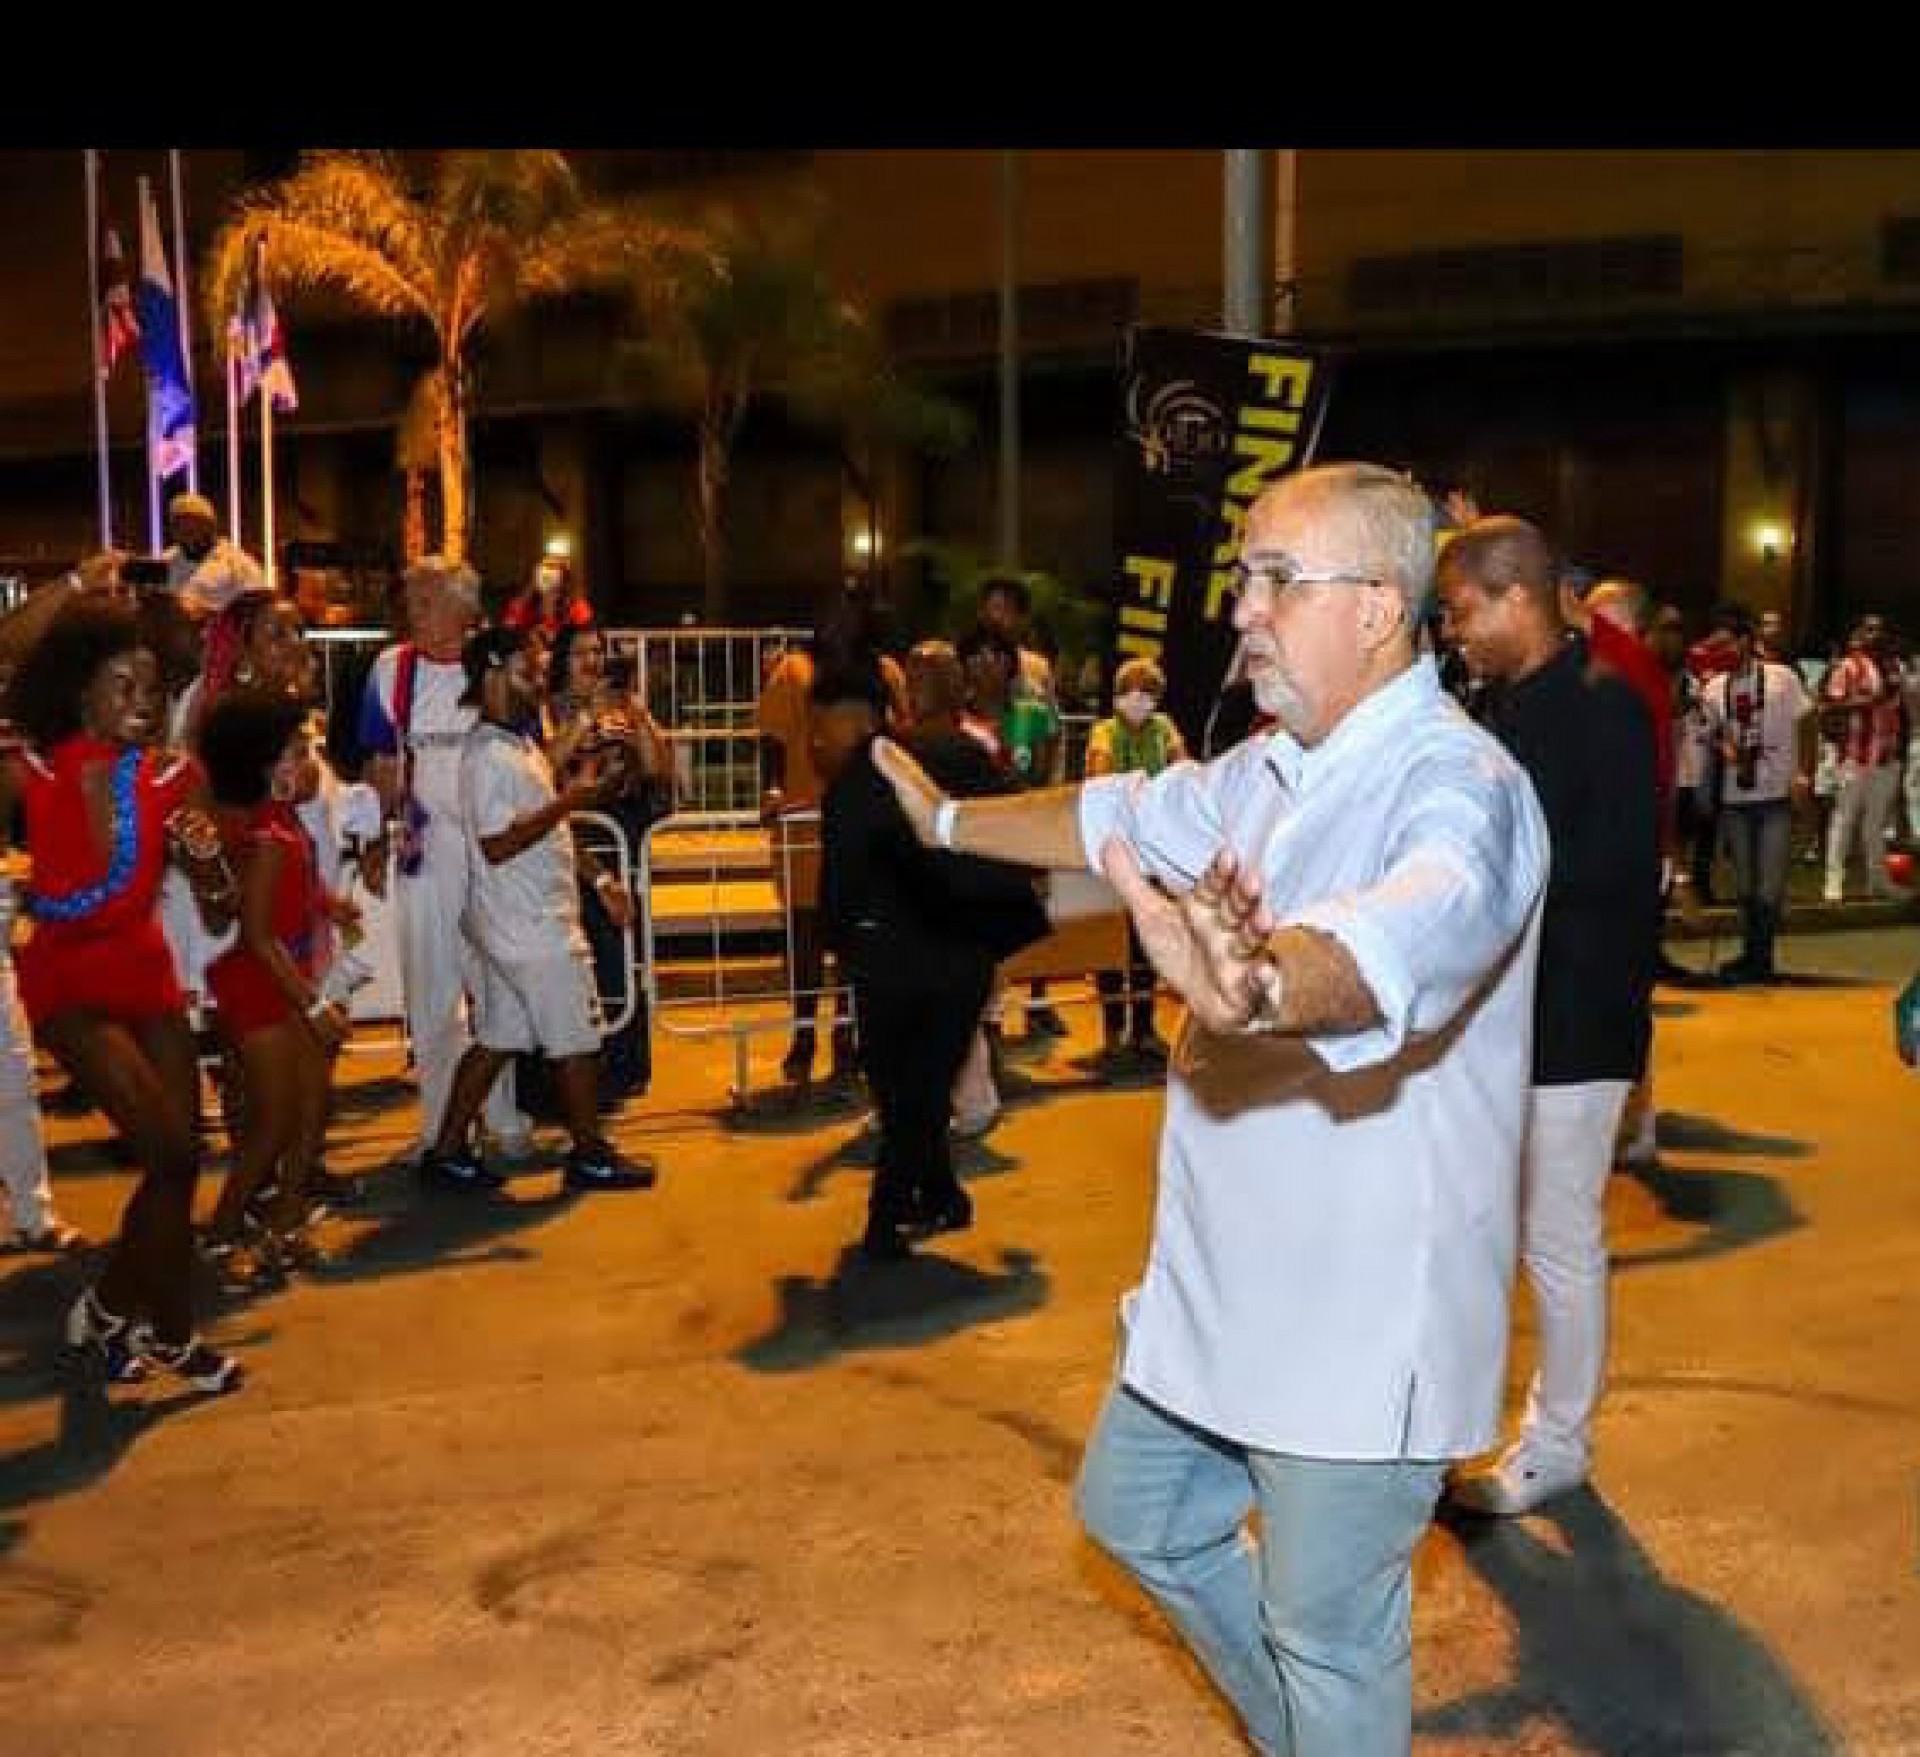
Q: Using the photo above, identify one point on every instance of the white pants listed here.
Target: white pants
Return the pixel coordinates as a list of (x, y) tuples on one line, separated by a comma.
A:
[(23, 1151), (974, 1094), (1563, 1248), (1861, 809), (438, 971)]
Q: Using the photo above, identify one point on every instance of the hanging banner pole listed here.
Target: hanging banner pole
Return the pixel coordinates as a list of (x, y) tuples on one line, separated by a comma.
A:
[(183, 294), (103, 467)]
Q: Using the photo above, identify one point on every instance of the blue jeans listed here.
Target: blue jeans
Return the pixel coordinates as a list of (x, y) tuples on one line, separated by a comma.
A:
[(1308, 1632)]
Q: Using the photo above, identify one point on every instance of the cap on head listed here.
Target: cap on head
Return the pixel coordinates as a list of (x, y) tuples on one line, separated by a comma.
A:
[(192, 506)]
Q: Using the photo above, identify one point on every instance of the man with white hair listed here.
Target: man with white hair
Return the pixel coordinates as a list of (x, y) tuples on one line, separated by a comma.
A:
[(1349, 904), (413, 724), (205, 570)]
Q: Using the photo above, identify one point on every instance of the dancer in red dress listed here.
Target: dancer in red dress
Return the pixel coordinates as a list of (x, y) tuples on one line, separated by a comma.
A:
[(96, 978), (272, 1008)]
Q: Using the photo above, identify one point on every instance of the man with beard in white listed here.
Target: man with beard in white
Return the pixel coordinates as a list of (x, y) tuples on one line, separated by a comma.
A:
[(1349, 905), (413, 725)]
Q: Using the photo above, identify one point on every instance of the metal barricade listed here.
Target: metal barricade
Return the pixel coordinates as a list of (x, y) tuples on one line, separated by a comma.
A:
[(605, 837), (734, 1000), (703, 686)]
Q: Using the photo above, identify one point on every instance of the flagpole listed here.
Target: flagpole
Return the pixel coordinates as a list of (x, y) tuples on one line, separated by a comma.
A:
[(266, 486), (233, 439), (184, 297), (153, 481), (103, 467)]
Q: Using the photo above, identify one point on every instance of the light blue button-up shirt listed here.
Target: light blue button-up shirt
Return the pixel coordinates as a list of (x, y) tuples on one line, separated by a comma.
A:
[(1333, 1240)]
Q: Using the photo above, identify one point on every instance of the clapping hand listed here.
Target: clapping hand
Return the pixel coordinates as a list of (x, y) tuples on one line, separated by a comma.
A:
[(1207, 943)]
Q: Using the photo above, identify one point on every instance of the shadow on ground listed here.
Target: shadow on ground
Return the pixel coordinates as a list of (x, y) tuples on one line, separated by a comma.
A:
[(1735, 1209), (426, 1229), (96, 1432), (1707, 1134), (1625, 1662), (866, 1305)]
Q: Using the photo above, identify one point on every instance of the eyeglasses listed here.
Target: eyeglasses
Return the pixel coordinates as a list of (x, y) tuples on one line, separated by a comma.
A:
[(1268, 581)]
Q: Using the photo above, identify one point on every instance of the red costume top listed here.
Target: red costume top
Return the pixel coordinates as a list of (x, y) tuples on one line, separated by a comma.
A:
[(528, 611), (96, 941), (245, 995), (1623, 651)]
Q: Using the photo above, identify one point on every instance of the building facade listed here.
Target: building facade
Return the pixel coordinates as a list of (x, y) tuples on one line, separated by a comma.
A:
[(1698, 367)]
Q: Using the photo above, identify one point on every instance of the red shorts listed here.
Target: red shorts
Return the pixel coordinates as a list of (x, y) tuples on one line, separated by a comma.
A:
[(128, 975), (246, 998)]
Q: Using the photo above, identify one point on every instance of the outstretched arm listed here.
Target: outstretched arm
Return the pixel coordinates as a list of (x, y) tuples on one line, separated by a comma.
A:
[(1041, 828)]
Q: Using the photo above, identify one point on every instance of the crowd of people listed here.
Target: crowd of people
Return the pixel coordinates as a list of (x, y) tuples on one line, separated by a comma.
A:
[(188, 856), (1416, 939)]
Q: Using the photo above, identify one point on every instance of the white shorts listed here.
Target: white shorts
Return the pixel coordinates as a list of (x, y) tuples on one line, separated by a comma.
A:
[(549, 1004)]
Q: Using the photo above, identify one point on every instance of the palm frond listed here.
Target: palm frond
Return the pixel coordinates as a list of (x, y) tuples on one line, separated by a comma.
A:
[(345, 221)]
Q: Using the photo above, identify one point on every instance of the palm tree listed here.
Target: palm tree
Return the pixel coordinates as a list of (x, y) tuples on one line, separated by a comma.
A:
[(754, 315), (492, 233), (416, 455)]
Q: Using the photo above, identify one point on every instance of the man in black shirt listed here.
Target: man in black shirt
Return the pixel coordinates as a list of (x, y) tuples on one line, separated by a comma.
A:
[(919, 933), (1585, 740)]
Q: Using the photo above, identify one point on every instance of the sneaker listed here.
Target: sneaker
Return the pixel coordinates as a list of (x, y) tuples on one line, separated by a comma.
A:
[(885, 1241), (205, 1369), (970, 1125), (519, 1151), (91, 1328), (298, 1250), (462, 1169), (1520, 1480), (603, 1168), (1643, 1151), (955, 1214)]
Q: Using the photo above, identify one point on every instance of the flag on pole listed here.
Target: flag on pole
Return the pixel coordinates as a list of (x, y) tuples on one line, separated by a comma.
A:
[(257, 339), (169, 388), (119, 325)]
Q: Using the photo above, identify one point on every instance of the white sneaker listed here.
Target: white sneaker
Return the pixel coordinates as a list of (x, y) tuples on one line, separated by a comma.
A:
[(1520, 1480), (973, 1125), (1643, 1151)]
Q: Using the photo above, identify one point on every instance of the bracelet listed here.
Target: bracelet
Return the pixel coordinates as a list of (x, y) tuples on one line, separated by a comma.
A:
[(943, 821)]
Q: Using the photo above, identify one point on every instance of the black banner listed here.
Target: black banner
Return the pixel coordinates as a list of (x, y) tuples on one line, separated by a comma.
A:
[(1208, 423)]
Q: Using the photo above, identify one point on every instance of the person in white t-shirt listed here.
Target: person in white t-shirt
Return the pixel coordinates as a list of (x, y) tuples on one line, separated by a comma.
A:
[(205, 570), (536, 989), (1761, 718)]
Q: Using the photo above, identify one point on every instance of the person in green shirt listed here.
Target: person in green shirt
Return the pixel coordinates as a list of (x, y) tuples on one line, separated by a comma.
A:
[(1137, 740)]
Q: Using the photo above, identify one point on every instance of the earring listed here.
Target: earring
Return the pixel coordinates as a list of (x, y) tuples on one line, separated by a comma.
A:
[(243, 673)]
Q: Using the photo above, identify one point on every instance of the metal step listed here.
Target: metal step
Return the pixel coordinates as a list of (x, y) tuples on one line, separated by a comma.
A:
[(679, 854), (695, 979)]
